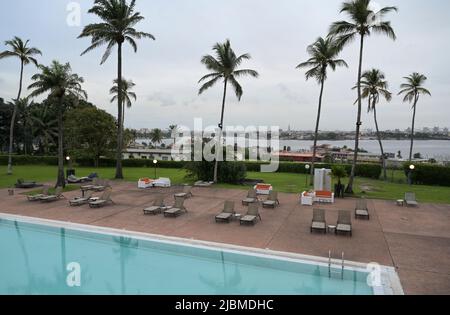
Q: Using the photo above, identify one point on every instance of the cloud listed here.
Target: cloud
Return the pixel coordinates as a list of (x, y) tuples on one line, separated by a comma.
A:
[(164, 100), (290, 95)]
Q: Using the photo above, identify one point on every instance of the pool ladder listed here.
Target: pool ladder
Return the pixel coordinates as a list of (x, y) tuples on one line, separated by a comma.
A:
[(342, 265)]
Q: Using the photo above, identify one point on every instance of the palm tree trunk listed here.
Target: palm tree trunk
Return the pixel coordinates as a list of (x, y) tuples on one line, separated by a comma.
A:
[(412, 128), (13, 121), (119, 172), (349, 189), (219, 147), (383, 158), (316, 135), (61, 182)]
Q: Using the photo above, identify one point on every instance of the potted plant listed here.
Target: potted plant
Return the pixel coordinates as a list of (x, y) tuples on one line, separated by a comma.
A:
[(339, 172)]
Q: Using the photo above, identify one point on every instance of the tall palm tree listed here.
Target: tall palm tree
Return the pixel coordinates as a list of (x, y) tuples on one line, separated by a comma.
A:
[(18, 49), (363, 22), (324, 53), (119, 19), (59, 81), (224, 67), (412, 90), (156, 135), (373, 86), (127, 94)]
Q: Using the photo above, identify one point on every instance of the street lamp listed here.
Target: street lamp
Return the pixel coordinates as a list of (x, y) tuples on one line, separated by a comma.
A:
[(307, 167), (411, 169), (155, 162), (69, 168)]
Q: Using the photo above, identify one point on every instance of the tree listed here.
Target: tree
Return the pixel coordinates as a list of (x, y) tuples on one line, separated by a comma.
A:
[(363, 22), (413, 89), (61, 84), (373, 85), (44, 126), (117, 27), (323, 54), (19, 49), (156, 135), (89, 133), (224, 67), (127, 94)]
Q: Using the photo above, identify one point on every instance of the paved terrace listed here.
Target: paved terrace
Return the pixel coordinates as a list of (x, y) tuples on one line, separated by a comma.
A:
[(414, 240)]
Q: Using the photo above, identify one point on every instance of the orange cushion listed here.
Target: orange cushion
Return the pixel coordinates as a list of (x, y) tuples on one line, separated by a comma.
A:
[(324, 194)]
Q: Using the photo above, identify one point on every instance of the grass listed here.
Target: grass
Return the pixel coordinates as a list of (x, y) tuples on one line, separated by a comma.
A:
[(283, 182)]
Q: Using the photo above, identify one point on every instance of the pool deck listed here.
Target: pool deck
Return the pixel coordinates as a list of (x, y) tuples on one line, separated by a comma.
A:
[(416, 241)]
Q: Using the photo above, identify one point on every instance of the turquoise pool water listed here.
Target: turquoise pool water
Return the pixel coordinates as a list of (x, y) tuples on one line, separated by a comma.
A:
[(34, 260)]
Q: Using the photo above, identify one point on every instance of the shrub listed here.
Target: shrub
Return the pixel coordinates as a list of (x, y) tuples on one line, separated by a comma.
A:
[(228, 172), (426, 174)]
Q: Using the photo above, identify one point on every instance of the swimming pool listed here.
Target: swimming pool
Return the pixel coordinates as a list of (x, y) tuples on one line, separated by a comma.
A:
[(46, 257)]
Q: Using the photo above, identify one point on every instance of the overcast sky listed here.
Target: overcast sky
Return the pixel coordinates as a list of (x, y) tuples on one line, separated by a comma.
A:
[(276, 34)]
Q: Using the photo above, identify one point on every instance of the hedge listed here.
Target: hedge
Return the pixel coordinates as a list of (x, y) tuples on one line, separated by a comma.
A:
[(425, 174), (362, 170)]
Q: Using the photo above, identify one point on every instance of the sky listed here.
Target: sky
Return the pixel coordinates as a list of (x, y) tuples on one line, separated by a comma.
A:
[(275, 33)]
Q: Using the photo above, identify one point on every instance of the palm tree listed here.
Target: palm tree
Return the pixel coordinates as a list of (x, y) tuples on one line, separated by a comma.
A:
[(156, 135), (119, 19), (19, 49), (61, 83), (127, 94), (224, 67), (364, 22), (323, 55), (173, 129), (373, 85), (44, 127), (412, 90)]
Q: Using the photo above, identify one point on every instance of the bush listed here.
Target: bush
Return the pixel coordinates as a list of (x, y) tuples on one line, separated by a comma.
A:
[(426, 174), (30, 160), (228, 172)]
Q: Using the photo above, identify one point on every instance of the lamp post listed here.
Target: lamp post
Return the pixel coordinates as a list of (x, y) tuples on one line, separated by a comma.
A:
[(68, 165), (411, 169), (155, 163), (307, 167)]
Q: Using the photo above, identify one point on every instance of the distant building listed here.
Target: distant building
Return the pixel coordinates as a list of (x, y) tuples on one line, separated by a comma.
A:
[(299, 157), (150, 154)]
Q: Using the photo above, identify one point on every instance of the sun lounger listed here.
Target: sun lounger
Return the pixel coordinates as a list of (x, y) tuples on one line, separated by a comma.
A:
[(344, 223), (227, 214), (51, 198), (410, 199), (158, 205), (178, 208), (25, 185), (319, 222), (39, 196), (203, 184), (103, 201), (75, 180), (186, 192), (79, 201), (361, 210), (272, 201), (102, 184), (252, 214), (252, 197)]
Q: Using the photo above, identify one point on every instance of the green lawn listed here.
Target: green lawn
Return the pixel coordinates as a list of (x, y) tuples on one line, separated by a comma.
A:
[(283, 182)]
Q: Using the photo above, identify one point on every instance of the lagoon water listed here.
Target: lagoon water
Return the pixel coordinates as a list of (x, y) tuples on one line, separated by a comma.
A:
[(436, 149)]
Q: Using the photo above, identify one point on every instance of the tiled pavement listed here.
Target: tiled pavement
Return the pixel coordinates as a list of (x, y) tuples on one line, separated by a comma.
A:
[(414, 240)]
